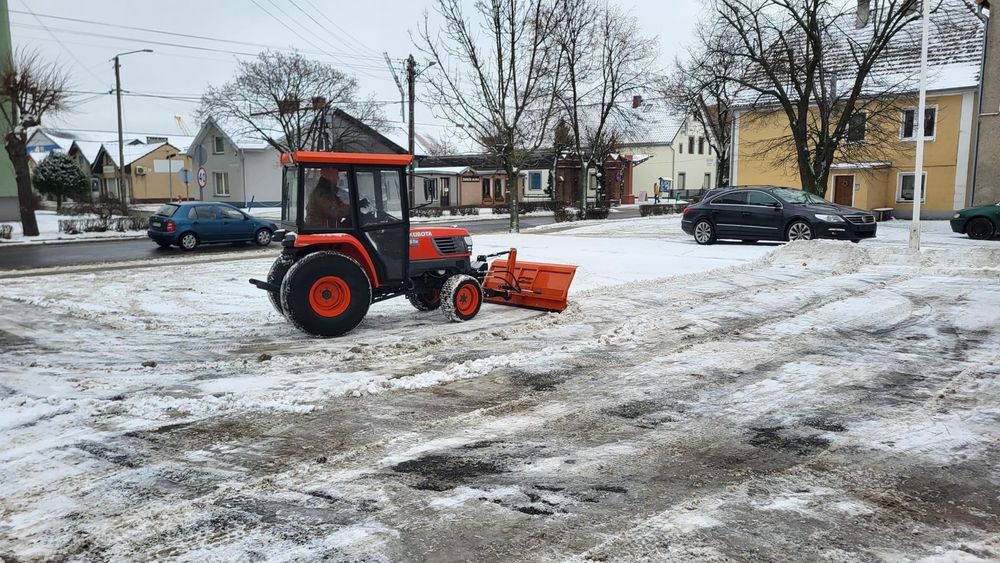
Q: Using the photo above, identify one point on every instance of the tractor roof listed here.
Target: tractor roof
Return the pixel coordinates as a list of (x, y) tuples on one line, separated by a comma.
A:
[(347, 158)]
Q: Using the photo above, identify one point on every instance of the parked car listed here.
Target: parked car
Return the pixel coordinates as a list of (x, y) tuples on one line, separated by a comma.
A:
[(772, 213), (977, 222), (189, 224)]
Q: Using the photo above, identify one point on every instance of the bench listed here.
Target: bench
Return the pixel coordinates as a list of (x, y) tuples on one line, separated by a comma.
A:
[(882, 213)]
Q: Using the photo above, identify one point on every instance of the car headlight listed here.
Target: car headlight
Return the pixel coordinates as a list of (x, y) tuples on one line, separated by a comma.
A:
[(956, 216), (468, 243), (830, 218)]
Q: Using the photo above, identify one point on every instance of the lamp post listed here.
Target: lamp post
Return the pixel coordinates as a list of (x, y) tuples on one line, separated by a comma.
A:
[(920, 119), (122, 192), (170, 175)]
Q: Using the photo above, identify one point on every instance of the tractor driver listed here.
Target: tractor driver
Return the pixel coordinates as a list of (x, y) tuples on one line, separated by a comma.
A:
[(328, 206)]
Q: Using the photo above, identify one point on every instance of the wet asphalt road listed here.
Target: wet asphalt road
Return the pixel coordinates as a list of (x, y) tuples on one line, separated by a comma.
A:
[(23, 257)]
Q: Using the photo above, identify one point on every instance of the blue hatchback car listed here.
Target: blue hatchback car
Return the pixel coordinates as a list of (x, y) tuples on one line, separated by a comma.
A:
[(191, 223)]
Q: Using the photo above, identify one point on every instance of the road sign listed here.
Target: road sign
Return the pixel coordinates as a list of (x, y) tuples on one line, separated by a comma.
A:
[(200, 155), (185, 175), (202, 177)]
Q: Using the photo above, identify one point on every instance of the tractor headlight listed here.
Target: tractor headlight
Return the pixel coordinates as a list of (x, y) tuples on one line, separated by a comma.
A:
[(956, 216), (830, 218), (468, 243)]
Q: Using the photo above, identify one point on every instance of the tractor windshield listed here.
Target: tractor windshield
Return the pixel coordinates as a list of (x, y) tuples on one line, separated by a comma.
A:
[(327, 199)]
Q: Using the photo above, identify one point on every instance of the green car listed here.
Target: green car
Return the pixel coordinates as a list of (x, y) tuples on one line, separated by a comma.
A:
[(977, 222)]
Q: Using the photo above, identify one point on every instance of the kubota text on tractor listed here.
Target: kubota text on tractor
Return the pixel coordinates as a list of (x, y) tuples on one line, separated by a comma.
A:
[(347, 243)]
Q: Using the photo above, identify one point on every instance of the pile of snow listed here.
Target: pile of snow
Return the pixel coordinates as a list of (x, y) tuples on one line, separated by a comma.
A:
[(48, 231)]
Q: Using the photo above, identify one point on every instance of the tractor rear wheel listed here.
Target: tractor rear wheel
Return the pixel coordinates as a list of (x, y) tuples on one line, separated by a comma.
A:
[(425, 300), (275, 276), (326, 294), (461, 298)]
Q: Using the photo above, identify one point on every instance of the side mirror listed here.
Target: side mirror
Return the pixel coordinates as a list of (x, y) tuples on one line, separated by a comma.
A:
[(775, 205)]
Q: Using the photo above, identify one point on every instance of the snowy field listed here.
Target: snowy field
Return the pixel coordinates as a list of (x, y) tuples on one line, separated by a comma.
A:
[(813, 401)]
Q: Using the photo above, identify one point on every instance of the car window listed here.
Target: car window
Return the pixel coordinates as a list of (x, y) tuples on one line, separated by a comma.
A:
[(797, 196), (734, 198), (167, 210), (760, 198), (230, 213), (193, 213), (206, 211)]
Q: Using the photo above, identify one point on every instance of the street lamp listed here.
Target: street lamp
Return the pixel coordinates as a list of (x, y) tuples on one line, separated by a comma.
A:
[(121, 141), (170, 175)]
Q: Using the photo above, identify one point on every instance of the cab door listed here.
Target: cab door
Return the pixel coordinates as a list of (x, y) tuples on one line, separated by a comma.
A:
[(384, 221)]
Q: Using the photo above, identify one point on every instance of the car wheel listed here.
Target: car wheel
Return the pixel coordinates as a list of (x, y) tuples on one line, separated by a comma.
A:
[(188, 241), (461, 298), (855, 240), (326, 294), (262, 237), (980, 228), (799, 230), (275, 276), (704, 233), (425, 301)]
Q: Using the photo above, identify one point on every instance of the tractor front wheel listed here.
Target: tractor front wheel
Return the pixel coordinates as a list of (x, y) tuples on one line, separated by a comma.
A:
[(425, 300), (461, 298), (326, 294), (275, 276)]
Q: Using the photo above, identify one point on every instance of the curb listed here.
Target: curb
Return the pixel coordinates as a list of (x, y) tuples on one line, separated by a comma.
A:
[(4, 244)]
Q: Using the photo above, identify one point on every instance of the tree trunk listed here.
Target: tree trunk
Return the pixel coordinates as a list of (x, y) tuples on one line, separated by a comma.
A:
[(59, 201), (515, 221), (18, 153), (584, 184)]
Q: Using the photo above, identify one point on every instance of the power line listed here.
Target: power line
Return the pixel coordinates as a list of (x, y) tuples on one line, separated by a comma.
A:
[(323, 28), (184, 35), (64, 48), (168, 44), (342, 30)]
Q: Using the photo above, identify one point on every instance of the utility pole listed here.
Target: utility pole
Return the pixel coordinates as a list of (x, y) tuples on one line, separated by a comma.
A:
[(920, 119), (122, 195), (411, 85), (170, 174)]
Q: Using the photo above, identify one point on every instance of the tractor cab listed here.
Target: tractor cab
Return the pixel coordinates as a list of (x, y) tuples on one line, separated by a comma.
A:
[(347, 243)]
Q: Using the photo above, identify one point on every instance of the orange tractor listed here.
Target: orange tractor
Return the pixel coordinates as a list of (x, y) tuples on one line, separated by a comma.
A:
[(347, 243)]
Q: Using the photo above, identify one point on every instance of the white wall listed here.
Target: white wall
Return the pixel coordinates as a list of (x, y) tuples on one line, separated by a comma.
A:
[(695, 165), (263, 175)]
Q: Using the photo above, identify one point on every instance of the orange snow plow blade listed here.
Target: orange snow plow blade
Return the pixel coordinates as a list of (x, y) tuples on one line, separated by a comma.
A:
[(533, 285)]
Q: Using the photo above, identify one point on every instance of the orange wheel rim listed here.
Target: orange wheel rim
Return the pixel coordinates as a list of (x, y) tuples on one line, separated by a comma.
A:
[(467, 299), (330, 296)]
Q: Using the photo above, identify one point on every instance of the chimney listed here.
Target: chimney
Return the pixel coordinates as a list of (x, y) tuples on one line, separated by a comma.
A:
[(636, 101), (864, 12)]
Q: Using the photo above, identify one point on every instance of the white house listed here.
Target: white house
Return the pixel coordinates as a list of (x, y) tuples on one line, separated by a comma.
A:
[(237, 170)]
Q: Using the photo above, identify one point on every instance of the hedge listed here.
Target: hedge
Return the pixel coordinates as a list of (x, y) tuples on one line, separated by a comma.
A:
[(440, 211), (564, 214), (661, 208), (528, 207), (6, 231), (102, 225)]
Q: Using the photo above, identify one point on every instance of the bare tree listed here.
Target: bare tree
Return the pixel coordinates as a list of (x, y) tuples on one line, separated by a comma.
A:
[(605, 61), (816, 64), (30, 88), (706, 85), (437, 145), (494, 77), (285, 100)]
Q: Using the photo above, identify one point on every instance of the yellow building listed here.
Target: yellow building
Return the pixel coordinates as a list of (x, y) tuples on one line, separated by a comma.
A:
[(150, 172), (885, 179)]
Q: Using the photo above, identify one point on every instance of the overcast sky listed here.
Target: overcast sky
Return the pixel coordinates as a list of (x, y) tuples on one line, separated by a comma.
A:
[(363, 30)]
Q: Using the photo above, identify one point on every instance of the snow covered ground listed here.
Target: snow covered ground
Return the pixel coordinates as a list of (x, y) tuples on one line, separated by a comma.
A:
[(810, 401)]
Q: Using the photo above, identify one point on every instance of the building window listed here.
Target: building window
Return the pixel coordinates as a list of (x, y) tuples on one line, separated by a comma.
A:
[(487, 193), (690, 145), (534, 180), (701, 145), (430, 189), (221, 183), (908, 129), (707, 182), (904, 187), (681, 147), (856, 127), (218, 145), (682, 180)]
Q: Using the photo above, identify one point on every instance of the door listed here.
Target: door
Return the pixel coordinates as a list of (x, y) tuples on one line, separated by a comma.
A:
[(234, 225), (763, 216), (383, 222), (843, 190), (728, 212), (205, 222), (445, 191)]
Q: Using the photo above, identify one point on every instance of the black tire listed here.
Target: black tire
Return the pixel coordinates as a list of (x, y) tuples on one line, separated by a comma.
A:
[(980, 228), (262, 237), (461, 298), (799, 230), (856, 240), (704, 232), (425, 300), (275, 276), (163, 244), (188, 241), (326, 294)]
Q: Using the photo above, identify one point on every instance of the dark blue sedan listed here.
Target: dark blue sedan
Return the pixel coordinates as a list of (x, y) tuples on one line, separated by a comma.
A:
[(189, 224)]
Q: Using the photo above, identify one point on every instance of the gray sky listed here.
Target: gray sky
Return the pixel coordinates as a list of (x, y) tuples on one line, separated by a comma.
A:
[(367, 28)]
